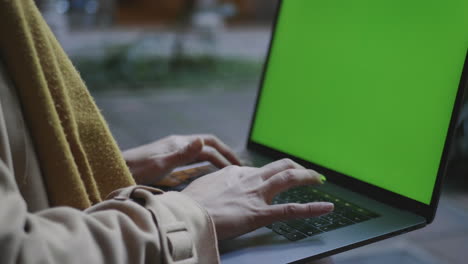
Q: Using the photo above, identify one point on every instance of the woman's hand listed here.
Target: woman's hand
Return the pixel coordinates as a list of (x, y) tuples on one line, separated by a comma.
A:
[(239, 198), (150, 163)]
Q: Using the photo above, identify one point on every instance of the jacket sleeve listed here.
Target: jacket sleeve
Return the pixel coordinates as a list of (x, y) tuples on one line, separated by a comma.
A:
[(136, 225)]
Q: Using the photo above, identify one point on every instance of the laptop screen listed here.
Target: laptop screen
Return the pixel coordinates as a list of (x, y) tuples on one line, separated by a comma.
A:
[(365, 88)]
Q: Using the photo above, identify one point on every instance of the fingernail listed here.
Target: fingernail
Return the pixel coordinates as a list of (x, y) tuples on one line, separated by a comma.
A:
[(191, 149), (195, 143), (328, 207), (323, 179)]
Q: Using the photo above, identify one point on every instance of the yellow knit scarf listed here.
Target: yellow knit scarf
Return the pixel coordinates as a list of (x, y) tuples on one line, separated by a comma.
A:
[(79, 159)]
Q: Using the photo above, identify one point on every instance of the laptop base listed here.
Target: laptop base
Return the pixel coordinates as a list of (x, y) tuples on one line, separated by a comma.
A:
[(265, 246)]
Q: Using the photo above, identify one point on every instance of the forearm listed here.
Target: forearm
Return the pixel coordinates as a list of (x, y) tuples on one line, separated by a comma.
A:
[(115, 231)]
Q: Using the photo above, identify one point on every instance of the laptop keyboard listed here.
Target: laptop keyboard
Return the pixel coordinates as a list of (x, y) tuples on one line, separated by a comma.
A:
[(345, 214)]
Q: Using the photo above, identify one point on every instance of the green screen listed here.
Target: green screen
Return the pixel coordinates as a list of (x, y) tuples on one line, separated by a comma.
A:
[(365, 87)]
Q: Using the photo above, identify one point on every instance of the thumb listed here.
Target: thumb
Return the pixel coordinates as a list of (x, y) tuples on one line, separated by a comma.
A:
[(187, 154)]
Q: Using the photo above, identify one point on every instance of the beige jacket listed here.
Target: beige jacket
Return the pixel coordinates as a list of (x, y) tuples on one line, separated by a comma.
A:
[(136, 225)]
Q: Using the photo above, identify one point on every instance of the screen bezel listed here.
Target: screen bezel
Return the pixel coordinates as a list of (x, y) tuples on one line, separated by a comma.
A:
[(377, 193)]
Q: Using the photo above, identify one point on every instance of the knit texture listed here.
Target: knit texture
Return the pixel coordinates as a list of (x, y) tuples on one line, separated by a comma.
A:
[(80, 161)]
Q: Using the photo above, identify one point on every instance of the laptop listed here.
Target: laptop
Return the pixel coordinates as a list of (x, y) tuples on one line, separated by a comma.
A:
[(367, 93)]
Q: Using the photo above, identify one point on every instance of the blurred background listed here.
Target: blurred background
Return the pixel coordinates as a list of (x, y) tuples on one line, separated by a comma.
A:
[(161, 67), (176, 66)]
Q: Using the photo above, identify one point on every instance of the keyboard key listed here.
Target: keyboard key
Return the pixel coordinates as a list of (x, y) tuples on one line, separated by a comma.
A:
[(296, 224), (311, 231), (282, 229), (345, 214), (367, 213), (331, 217), (317, 222), (343, 222), (331, 227), (357, 218), (303, 227), (294, 236), (276, 227), (338, 224)]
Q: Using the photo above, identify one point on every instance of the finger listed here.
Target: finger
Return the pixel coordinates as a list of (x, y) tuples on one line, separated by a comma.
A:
[(278, 166), (185, 155), (288, 179), (222, 148), (213, 156), (283, 212)]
